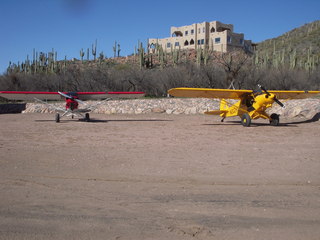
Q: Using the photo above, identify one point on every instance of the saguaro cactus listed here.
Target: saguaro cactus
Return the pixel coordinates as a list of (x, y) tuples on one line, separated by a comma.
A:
[(94, 50), (88, 55), (81, 54), (119, 49), (141, 55), (114, 49)]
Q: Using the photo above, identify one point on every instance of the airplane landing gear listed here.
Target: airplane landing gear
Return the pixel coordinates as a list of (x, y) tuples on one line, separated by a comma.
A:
[(57, 117), (274, 121), (245, 120), (87, 117)]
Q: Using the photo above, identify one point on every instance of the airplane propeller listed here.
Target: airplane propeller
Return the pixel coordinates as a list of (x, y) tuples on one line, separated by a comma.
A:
[(274, 98), (70, 97)]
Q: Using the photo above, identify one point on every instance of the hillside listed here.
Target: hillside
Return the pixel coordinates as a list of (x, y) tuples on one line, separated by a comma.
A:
[(299, 47)]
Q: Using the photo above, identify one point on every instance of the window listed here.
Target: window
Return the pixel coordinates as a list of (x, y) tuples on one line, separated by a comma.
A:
[(229, 39), (203, 29), (191, 42), (199, 30), (168, 45), (200, 41), (217, 40), (152, 46), (186, 33), (192, 31), (176, 44)]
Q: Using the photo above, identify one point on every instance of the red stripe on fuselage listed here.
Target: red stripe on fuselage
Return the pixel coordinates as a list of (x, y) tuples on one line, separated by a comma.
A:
[(28, 92), (125, 92), (80, 93)]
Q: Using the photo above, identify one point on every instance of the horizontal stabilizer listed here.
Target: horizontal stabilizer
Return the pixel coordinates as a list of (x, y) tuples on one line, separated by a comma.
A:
[(215, 112)]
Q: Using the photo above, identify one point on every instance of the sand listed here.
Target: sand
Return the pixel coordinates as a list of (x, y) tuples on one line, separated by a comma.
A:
[(158, 176)]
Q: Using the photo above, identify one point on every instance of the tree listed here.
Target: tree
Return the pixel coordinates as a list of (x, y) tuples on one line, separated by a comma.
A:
[(232, 64)]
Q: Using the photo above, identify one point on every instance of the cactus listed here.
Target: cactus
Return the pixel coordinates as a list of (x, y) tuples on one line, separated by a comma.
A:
[(81, 54), (94, 50), (175, 54), (293, 59), (115, 49), (161, 56), (88, 55), (199, 56), (205, 55), (141, 55), (119, 49), (101, 57)]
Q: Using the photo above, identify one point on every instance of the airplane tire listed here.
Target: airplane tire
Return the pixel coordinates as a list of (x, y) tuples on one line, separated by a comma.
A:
[(245, 120), (274, 119), (57, 117), (87, 117)]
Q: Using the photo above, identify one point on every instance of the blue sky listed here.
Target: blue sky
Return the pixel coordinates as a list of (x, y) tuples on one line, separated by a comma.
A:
[(69, 25)]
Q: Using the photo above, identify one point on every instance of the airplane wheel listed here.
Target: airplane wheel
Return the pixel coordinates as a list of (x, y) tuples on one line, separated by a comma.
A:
[(87, 117), (274, 119), (57, 117), (245, 120)]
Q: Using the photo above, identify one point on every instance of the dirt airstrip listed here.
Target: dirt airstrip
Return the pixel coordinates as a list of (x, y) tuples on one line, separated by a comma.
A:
[(158, 176)]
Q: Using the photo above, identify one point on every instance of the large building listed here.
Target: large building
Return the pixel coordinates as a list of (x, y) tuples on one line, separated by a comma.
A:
[(215, 35)]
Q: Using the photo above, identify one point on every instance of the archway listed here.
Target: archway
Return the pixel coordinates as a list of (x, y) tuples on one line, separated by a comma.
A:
[(177, 34)]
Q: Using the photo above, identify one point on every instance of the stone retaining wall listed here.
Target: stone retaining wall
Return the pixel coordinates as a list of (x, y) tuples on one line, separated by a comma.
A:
[(294, 108)]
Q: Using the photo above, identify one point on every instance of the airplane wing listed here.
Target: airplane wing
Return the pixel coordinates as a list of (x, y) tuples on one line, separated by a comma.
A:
[(30, 96), (294, 94), (103, 95), (236, 94), (209, 93)]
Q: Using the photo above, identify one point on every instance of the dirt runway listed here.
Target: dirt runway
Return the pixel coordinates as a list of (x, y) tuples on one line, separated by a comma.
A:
[(158, 176)]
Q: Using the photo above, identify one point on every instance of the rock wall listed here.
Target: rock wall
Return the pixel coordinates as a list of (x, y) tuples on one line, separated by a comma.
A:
[(306, 108)]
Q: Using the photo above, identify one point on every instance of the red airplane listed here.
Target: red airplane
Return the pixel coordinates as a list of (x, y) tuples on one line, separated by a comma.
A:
[(72, 100)]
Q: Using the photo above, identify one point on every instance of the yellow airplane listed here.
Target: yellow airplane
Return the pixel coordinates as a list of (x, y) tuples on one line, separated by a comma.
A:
[(251, 104)]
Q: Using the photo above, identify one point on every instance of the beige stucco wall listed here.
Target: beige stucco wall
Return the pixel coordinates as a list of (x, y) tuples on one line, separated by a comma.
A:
[(202, 34)]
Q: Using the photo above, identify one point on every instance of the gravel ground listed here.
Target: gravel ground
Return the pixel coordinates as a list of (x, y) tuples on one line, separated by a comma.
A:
[(158, 176)]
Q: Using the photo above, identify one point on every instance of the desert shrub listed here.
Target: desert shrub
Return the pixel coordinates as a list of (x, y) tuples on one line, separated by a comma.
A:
[(156, 81)]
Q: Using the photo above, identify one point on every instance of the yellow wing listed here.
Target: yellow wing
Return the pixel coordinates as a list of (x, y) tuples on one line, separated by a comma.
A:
[(294, 94), (209, 93), (236, 94)]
